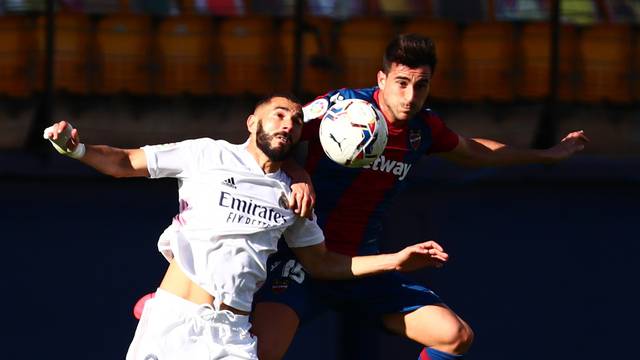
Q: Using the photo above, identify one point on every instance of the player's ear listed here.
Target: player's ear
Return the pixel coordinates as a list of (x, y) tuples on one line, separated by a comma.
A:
[(382, 77), (251, 122)]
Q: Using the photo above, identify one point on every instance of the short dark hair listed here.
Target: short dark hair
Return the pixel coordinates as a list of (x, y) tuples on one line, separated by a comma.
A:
[(267, 99), (411, 50)]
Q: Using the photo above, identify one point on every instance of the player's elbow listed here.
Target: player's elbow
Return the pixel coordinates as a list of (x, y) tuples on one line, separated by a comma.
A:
[(465, 160), (327, 268), (321, 268), (124, 169), (315, 269), (319, 263), (116, 172)]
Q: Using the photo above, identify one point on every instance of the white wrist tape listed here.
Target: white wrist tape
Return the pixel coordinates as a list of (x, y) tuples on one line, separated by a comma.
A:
[(78, 152)]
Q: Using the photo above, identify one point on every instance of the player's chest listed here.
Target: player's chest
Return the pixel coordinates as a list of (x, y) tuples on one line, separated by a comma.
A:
[(408, 144), (222, 189)]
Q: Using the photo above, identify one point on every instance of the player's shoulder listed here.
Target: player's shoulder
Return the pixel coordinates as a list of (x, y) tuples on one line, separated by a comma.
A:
[(204, 144), (223, 144), (204, 141), (210, 147), (182, 144), (346, 94), (318, 107)]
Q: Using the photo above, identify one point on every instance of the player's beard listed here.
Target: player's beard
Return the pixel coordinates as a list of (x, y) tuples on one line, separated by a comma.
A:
[(263, 141)]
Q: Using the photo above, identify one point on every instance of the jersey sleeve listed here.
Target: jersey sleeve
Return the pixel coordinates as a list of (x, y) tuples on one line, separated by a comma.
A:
[(444, 139), (177, 160), (303, 232), (313, 113), (315, 110)]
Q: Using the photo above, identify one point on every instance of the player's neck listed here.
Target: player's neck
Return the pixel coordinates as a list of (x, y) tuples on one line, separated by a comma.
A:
[(267, 165)]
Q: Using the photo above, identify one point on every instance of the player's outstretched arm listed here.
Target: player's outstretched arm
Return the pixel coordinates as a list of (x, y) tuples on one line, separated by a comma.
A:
[(106, 159), (321, 263), (485, 152)]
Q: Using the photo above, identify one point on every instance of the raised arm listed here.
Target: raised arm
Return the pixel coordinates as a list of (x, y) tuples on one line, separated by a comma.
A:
[(106, 159), (485, 152), (323, 264)]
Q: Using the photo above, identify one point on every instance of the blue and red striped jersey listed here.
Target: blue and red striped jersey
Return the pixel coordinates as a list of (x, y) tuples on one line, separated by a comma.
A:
[(351, 202)]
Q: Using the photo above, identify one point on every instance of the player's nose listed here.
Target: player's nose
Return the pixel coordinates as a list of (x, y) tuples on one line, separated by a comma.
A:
[(287, 123), (409, 94)]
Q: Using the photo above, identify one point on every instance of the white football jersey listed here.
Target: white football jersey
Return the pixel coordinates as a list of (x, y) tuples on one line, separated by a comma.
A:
[(231, 216)]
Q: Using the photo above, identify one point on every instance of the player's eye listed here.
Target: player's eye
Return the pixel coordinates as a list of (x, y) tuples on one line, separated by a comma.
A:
[(422, 85)]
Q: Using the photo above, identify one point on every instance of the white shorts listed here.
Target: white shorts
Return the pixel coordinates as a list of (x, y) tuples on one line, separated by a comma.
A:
[(174, 328)]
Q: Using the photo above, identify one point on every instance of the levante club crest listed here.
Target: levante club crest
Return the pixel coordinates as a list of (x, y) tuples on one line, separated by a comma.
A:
[(415, 138)]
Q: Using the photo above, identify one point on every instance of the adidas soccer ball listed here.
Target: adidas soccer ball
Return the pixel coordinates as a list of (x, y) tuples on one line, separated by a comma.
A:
[(353, 133)]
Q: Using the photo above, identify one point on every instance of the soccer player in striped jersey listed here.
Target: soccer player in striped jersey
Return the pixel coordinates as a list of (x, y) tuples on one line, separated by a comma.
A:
[(234, 207), (352, 204)]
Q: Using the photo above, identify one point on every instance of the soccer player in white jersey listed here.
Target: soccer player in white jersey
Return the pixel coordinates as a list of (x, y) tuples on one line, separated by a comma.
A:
[(234, 206)]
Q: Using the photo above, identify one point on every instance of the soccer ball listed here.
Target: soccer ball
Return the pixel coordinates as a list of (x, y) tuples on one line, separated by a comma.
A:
[(353, 133)]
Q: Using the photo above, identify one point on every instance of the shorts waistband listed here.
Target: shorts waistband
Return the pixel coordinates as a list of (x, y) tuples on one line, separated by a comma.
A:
[(204, 311)]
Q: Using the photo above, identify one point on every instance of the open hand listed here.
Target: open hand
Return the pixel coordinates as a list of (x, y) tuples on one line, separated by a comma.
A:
[(418, 256), (570, 144)]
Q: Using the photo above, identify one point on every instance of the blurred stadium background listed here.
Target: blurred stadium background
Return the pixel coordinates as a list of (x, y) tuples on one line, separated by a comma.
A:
[(544, 258)]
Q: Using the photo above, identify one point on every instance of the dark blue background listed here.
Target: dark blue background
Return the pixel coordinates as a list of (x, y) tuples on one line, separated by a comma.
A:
[(544, 261)]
